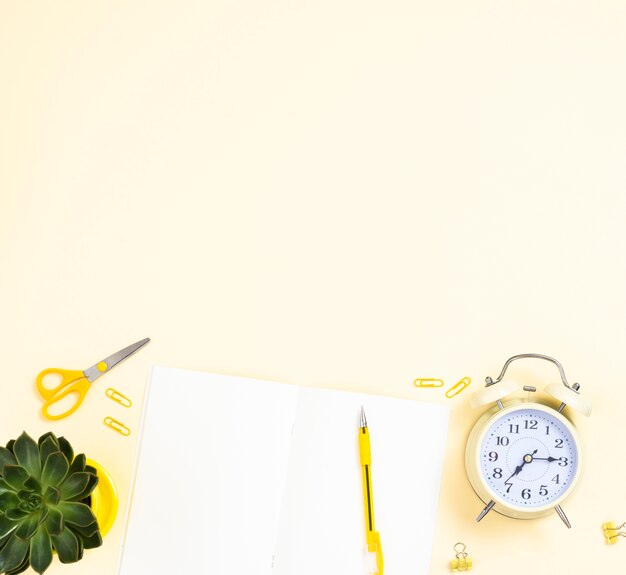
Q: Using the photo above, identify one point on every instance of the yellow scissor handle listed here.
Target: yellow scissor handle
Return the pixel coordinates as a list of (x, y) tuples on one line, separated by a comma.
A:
[(72, 381)]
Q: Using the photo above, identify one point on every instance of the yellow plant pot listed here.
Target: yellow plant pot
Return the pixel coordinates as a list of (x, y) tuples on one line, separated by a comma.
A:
[(104, 499)]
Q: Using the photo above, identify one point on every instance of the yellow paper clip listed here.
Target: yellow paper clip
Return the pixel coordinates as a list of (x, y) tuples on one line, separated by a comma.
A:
[(116, 426), (462, 562), (119, 397), (458, 387), (428, 382), (612, 532)]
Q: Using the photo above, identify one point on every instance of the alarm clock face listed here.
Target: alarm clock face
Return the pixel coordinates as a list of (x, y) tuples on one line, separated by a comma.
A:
[(529, 457)]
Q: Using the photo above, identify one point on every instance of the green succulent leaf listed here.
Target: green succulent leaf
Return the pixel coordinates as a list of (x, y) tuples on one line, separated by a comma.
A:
[(31, 484), (48, 446), (4, 539), (4, 486), (45, 436), (8, 500), (6, 457), (40, 550), (10, 445), (55, 469), (54, 522), (13, 553), (66, 448), (28, 526), (87, 530), (15, 476), (43, 514), (81, 545), (27, 454), (91, 485), (66, 545), (6, 526), (52, 495), (15, 514), (24, 565), (76, 513), (74, 485), (79, 463), (91, 469)]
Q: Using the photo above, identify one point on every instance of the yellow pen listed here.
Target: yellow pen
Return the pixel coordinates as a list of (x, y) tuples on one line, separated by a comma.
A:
[(372, 536)]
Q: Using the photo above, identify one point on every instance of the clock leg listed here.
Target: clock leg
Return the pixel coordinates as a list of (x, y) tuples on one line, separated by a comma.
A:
[(562, 515), (486, 510)]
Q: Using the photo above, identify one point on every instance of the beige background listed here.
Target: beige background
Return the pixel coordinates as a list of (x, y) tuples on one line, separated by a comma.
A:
[(335, 193)]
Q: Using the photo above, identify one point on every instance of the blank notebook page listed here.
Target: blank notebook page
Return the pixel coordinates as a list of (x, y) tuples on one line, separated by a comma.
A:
[(210, 475), (322, 527)]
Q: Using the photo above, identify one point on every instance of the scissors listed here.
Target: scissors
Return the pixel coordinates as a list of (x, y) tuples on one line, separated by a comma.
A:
[(78, 382)]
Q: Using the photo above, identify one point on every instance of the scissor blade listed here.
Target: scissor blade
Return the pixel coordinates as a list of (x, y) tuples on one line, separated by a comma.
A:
[(95, 371)]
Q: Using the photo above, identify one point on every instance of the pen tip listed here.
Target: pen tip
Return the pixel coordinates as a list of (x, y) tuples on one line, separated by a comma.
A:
[(363, 420)]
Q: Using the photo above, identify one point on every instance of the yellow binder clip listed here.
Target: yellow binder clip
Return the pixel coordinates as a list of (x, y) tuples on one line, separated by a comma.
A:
[(462, 562), (428, 382), (458, 387), (612, 532)]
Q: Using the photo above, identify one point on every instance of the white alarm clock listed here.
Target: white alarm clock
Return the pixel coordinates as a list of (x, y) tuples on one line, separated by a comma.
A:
[(524, 458)]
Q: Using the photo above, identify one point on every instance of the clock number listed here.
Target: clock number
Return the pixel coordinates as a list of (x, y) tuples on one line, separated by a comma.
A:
[(556, 479), (532, 424), (558, 443), (526, 493), (502, 440), (543, 490), (497, 473), (493, 456), (513, 428), (563, 461), (508, 486), (547, 430)]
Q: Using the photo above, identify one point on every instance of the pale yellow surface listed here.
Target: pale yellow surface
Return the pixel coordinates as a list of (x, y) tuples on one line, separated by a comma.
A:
[(335, 193)]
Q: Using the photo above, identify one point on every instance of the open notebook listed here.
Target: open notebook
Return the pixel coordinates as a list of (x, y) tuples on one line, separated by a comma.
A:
[(238, 476)]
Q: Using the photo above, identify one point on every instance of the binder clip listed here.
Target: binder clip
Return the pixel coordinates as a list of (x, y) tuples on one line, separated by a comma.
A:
[(428, 382), (612, 532), (462, 562), (458, 387)]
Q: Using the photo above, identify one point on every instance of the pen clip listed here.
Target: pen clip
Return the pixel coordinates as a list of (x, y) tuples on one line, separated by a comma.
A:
[(375, 546)]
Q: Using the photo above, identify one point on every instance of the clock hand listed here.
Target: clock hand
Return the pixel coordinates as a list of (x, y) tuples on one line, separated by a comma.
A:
[(517, 470), (527, 459), (550, 459)]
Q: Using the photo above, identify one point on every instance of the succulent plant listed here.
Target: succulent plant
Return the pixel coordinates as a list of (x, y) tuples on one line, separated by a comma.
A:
[(44, 504)]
